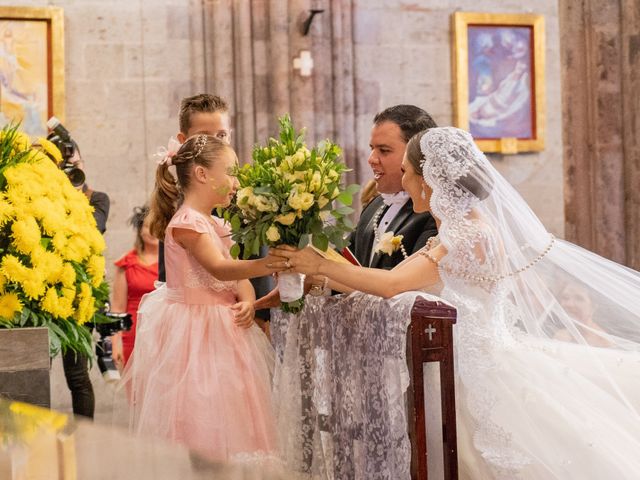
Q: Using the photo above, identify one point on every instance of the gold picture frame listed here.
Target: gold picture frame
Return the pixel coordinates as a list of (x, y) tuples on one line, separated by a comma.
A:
[(31, 67), (498, 79)]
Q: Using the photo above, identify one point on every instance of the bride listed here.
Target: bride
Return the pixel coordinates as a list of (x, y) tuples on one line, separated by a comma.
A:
[(548, 334)]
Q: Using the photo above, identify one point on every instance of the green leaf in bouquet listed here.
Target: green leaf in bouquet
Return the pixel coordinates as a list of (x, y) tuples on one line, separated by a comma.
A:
[(304, 241), (344, 210), (316, 226), (294, 307), (353, 188), (235, 250), (345, 198), (340, 241), (265, 190), (235, 223), (320, 241), (255, 248), (346, 221)]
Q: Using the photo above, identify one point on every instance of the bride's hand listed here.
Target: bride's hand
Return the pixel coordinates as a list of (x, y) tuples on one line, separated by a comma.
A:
[(305, 261)]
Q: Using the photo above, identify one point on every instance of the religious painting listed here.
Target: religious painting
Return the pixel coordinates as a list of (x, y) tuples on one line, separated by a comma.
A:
[(498, 64), (31, 67)]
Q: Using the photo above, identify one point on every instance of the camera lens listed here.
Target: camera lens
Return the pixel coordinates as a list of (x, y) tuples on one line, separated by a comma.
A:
[(76, 176)]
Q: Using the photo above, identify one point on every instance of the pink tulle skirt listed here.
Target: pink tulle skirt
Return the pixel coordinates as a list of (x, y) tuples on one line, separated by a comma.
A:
[(198, 379)]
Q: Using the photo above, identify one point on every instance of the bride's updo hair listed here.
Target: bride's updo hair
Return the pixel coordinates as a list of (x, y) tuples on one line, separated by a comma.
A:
[(478, 188), (168, 192)]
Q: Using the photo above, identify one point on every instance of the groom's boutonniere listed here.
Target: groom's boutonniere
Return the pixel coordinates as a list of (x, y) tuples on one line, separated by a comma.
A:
[(389, 244)]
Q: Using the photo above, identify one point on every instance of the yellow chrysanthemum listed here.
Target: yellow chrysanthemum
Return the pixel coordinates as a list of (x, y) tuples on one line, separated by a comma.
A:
[(77, 249), (95, 267), (96, 240), (18, 194), (50, 148), (59, 241), (6, 210), (58, 306), (67, 275), (86, 304), (53, 219), (31, 281), (9, 305), (3, 283), (48, 264), (26, 234), (21, 141)]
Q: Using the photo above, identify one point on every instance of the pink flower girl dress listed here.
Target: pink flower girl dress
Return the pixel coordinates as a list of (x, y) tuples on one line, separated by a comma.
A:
[(195, 377)]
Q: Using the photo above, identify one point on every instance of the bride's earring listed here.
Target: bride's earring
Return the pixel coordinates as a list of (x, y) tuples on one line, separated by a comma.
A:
[(423, 195)]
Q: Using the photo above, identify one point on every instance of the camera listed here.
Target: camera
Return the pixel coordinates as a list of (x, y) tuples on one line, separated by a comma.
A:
[(61, 138), (104, 352)]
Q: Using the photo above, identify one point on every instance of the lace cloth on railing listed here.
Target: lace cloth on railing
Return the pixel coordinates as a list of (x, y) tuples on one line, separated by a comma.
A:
[(339, 386)]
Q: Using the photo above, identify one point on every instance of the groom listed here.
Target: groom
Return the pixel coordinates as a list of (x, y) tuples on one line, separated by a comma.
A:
[(392, 210)]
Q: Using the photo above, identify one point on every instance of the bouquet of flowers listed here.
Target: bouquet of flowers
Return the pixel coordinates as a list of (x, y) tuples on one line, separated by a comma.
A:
[(51, 262), (291, 195)]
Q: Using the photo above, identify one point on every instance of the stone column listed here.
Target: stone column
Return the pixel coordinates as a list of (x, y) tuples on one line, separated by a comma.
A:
[(630, 33), (249, 50), (600, 44)]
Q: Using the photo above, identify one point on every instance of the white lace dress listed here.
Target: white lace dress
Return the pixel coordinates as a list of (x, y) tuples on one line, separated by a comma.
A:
[(548, 388)]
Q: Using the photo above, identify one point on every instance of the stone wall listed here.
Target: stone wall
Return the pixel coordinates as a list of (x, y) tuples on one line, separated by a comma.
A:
[(403, 55), (127, 65)]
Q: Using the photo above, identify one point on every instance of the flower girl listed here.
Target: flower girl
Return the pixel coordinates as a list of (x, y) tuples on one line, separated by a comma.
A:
[(201, 369)]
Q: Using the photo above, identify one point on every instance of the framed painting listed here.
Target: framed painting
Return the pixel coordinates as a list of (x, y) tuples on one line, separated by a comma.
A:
[(498, 72), (31, 67)]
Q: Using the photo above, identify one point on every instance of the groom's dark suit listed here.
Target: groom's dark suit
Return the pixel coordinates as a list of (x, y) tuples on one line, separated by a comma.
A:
[(416, 229)]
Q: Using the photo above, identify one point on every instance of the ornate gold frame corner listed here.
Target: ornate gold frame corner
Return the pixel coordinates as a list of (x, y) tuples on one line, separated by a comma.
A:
[(54, 17), (460, 21)]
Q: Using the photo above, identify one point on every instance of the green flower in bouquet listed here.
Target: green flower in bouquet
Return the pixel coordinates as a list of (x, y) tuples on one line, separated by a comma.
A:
[(291, 195), (51, 262)]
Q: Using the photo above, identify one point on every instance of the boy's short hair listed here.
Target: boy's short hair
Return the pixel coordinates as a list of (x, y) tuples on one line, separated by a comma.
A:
[(201, 103)]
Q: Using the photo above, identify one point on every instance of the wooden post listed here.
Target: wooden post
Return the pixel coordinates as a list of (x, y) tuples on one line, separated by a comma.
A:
[(430, 339)]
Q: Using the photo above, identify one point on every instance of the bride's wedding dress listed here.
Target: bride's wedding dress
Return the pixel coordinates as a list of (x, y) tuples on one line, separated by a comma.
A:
[(547, 349), (547, 353)]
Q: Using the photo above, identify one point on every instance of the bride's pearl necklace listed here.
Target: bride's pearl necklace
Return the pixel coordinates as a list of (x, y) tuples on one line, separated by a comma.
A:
[(376, 233)]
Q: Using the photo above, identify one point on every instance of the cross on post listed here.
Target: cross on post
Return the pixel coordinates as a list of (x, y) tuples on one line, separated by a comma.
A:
[(304, 63), (430, 331)]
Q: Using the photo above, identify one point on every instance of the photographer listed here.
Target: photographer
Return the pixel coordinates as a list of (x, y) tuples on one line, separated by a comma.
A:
[(76, 366)]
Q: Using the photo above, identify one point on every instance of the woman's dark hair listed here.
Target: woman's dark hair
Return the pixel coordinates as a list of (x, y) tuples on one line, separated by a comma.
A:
[(137, 221), (199, 150), (468, 182)]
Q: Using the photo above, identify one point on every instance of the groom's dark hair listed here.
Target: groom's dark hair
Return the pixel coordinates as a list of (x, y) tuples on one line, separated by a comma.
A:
[(409, 118)]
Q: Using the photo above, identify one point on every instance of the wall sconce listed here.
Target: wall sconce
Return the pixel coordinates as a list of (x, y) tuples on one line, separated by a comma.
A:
[(303, 63)]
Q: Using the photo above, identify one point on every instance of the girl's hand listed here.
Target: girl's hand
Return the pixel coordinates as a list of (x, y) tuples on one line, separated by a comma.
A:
[(270, 300), (305, 261), (243, 313)]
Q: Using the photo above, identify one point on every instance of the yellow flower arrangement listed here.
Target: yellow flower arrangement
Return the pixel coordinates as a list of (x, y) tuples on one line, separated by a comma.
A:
[(291, 195), (51, 262)]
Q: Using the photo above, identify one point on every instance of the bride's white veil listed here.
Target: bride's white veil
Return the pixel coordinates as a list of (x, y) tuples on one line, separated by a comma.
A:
[(516, 286)]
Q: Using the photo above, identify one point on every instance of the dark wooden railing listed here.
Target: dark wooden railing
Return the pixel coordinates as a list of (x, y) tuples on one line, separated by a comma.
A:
[(430, 339)]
